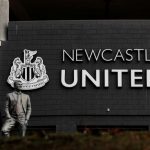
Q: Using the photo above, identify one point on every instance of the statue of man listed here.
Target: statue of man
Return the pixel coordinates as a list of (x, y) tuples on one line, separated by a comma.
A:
[(18, 110)]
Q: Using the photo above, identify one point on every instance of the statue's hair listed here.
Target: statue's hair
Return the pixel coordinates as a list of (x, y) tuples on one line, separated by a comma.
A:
[(15, 82)]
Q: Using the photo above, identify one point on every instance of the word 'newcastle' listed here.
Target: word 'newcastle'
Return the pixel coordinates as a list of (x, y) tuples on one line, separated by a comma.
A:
[(108, 55)]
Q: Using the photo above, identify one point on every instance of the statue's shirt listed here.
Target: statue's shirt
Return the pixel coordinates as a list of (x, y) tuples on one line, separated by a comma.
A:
[(18, 108)]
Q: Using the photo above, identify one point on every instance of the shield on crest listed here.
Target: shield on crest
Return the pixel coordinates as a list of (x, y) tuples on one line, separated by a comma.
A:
[(27, 73)]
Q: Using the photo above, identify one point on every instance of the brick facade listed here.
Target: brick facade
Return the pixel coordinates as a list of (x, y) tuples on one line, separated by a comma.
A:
[(68, 108)]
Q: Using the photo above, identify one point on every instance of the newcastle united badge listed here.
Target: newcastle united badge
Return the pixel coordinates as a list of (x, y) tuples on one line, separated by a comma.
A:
[(31, 74)]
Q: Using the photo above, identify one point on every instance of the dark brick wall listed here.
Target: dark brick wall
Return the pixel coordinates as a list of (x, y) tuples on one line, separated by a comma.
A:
[(66, 108)]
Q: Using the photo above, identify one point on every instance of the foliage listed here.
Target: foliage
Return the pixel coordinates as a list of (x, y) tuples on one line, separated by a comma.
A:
[(78, 141)]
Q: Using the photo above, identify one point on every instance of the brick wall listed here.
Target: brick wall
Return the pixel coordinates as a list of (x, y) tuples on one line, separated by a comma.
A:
[(66, 108)]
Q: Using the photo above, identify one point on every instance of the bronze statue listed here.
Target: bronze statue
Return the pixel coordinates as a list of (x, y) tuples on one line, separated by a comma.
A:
[(17, 110)]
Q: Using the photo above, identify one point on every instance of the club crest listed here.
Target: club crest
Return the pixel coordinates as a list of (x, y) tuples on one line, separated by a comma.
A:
[(31, 74)]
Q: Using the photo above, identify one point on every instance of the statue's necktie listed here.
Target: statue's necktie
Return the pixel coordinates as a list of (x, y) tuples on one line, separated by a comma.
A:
[(18, 105)]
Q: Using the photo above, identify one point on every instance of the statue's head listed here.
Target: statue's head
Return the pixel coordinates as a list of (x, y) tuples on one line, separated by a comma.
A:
[(17, 85)]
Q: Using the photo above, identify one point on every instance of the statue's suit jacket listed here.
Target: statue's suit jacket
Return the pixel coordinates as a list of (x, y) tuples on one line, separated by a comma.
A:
[(11, 101)]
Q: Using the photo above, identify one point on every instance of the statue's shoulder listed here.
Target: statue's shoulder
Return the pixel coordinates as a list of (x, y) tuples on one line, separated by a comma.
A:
[(25, 95), (9, 94)]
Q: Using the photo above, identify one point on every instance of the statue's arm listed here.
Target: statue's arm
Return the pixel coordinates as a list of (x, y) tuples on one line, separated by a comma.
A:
[(28, 111), (7, 104)]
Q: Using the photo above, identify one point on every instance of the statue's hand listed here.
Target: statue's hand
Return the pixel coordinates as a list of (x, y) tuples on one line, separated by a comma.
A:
[(9, 117), (26, 122)]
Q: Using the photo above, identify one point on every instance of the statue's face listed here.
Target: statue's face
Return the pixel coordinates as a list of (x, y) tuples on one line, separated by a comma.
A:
[(18, 85)]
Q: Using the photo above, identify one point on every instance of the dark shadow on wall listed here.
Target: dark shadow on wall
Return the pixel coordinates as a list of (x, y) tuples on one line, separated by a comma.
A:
[(78, 9), (1, 119)]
